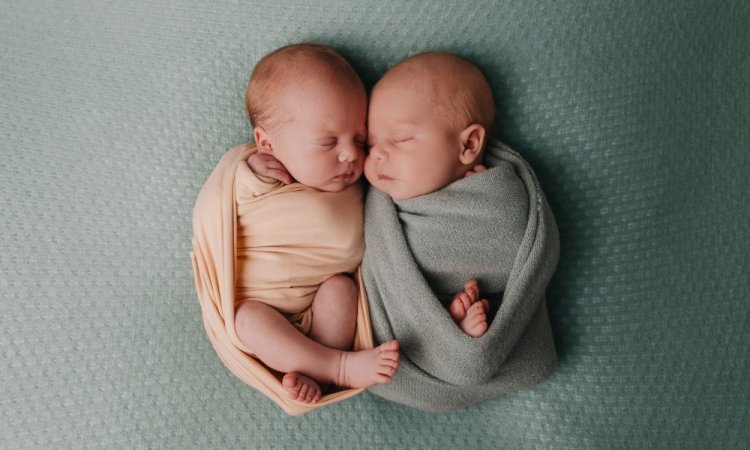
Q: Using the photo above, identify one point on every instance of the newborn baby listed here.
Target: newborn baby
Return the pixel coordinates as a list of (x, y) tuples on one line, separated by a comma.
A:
[(429, 227), (299, 239), (428, 122)]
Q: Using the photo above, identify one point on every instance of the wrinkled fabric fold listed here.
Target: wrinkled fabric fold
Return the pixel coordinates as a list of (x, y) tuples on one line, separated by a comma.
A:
[(214, 262), (495, 226)]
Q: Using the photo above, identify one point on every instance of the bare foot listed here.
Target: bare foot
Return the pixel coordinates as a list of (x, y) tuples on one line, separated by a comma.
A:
[(367, 368), (301, 387), (475, 322), (468, 312), (463, 300)]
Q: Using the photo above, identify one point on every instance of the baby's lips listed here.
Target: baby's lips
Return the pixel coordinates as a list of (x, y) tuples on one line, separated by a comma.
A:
[(345, 175)]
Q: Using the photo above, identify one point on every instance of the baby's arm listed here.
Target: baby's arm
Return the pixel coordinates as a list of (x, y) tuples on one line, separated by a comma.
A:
[(266, 165)]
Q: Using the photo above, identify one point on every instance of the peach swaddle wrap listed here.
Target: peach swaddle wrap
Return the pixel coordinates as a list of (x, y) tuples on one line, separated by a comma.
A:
[(274, 244)]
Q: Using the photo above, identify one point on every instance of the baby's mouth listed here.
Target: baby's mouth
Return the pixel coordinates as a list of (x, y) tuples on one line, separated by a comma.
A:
[(346, 175), (382, 177)]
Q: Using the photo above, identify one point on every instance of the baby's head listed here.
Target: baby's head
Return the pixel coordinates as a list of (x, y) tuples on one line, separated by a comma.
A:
[(308, 108), (429, 118)]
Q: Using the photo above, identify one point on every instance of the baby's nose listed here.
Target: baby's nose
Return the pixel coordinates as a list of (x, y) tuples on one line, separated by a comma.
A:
[(349, 153), (376, 152)]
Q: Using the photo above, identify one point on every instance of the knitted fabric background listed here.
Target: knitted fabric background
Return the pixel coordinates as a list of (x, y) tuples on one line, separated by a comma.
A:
[(633, 114)]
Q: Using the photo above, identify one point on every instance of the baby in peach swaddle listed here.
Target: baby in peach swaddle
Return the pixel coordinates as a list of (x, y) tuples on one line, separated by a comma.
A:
[(275, 271)]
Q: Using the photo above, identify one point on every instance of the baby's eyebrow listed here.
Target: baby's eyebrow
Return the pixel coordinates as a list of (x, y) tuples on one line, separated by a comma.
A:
[(404, 123)]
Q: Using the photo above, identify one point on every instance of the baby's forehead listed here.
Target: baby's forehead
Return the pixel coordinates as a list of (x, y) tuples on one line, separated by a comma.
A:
[(450, 83), (438, 76), (424, 88)]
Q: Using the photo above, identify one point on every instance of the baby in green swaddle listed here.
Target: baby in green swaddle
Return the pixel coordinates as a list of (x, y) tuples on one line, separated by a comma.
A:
[(428, 122)]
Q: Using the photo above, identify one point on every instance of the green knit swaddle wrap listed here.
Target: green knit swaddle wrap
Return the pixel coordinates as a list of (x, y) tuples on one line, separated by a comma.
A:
[(495, 226)]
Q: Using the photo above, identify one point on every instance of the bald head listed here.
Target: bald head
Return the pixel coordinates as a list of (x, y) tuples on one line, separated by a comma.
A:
[(453, 83), (310, 64)]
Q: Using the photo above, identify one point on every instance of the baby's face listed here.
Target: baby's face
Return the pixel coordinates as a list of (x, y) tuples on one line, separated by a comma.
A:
[(413, 147), (321, 134)]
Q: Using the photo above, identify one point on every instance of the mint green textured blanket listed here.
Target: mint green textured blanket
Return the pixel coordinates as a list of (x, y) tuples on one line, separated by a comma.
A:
[(633, 114), (495, 226)]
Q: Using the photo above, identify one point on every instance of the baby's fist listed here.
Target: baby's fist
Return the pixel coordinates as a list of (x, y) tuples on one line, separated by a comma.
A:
[(266, 165)]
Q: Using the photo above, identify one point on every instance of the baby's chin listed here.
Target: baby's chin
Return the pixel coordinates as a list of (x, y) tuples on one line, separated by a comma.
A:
[(399, 191), (377, 184), (337, 186), (390, 190), (395, 189)]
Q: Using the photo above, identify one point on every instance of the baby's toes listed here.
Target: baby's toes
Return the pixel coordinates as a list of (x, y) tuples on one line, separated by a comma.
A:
[(390, 346), (388, 369), (313, 394), (479, 329), (476, 312), (460, 305), (476, 324), (471, 287), (457, 310), (389, 356), (303, 391), (291, 384)]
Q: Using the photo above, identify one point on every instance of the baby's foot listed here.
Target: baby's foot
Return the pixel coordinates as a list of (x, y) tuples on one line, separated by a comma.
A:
[(463, 300), (367, 368), (475, 322), (301, 387)]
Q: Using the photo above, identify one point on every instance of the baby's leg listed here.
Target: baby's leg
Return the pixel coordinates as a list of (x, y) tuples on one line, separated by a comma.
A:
[(334, 323), (334, 313), (277, 343)]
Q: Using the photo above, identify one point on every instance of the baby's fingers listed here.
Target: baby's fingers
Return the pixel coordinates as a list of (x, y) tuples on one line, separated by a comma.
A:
[(279, 174)]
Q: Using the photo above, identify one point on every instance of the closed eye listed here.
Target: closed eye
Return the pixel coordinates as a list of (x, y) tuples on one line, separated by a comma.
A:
[(327, 144)]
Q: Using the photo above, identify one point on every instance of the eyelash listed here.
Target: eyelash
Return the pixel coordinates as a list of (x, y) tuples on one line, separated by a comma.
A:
[(368, 146), (331, 145)]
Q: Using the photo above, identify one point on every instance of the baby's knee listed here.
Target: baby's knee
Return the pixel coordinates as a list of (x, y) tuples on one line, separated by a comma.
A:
[(247, 318), (339, 288)]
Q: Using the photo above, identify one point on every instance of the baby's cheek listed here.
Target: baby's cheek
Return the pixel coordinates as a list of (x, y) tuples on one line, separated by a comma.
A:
[(360, 163), (368, 170)]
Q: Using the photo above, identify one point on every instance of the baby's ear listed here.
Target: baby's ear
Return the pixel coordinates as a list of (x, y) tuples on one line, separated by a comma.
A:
[(262, 139), (472, 143)]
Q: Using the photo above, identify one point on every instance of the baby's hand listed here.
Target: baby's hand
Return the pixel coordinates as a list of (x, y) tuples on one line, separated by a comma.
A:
[(266, 165), (479, 168)]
